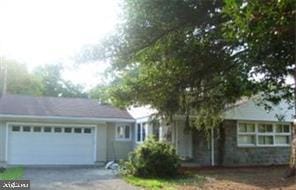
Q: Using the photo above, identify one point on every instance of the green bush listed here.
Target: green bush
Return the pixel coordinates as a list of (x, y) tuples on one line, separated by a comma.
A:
[(152, 159)]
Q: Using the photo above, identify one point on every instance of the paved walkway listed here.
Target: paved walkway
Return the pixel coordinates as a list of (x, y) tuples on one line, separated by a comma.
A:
[(74, 179)]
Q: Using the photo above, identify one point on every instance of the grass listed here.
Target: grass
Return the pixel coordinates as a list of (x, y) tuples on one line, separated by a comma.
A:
[(256, 178), (12, 173), (167, 184)]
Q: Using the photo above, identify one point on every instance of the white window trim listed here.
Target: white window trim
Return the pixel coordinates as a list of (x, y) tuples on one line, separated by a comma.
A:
[(257, 134), (116, 132), (141, 134)]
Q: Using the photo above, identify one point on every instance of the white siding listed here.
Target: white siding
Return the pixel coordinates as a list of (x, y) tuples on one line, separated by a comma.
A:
[(101, 146), (251, 111), (117, 149)]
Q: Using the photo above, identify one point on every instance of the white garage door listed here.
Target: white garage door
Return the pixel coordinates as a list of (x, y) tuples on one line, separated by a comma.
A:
[(47, 145)]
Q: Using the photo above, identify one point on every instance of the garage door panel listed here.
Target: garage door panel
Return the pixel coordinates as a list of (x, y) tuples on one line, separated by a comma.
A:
[(33, 148)]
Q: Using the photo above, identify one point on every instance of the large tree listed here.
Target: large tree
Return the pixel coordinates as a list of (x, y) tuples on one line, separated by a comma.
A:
[(264, 33), (171, 55), (198, 56)]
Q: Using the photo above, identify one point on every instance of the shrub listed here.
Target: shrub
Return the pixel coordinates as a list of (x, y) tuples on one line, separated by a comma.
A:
[(152, 159)]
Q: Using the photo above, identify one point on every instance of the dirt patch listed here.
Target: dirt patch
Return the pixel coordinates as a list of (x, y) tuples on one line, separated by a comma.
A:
[(258, 178)]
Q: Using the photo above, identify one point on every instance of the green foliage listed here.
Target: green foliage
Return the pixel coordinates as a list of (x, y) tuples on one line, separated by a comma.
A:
[(172, 55), (264, 33), (198, 57), (19, 80), (100, 92), (54, 85), (152, 159), (167, 184), (45, 81), (12, 173)]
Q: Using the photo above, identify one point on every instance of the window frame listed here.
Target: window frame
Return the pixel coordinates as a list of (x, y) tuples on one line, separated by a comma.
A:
[(17, 126), (117, 138), (143, 127), (257, 134), (85, 129), (65, 130), (26, 126), (48, 127), (77, 128), (239, 133), (58, 131), (37, 127)]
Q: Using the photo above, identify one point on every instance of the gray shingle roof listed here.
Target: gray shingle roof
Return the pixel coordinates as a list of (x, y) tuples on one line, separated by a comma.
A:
[(58, 107)]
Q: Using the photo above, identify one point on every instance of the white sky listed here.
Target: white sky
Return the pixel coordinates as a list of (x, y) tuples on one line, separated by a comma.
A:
[(39, 32)]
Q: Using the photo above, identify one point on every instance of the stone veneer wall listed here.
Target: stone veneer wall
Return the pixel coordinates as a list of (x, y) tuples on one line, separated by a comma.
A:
[(240, 156), (202, 148), (227, 153)]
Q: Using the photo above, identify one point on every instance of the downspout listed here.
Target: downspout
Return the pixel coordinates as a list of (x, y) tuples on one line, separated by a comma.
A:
[(212, 148)]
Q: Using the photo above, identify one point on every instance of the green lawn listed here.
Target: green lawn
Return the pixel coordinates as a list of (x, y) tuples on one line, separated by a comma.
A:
[(167, 184), (12, 173), (256, 178)]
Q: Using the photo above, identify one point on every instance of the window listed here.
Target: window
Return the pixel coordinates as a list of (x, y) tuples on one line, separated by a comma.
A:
[(77, 130), (123, 132), (265, 140), (57, 129), (37, 129), (68, 130), (282, 128), (141, 131), (155, 131), (282, 140), (265, 128), (282, 135), (16, 128), (144, 131), (247, 139), (263, 134), (47, 129), (87, 130), (246, 127), (247, 134), (167, 133), (26, 128)]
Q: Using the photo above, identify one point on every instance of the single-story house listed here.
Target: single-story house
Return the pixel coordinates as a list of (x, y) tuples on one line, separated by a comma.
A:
[(249, 135), (74, 131)]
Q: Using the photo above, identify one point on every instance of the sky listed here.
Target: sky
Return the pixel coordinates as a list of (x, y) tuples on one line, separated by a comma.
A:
[(38, 32)]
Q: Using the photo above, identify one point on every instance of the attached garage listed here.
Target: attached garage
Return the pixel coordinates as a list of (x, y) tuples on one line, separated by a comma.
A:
[(60, 131), (51, 145)]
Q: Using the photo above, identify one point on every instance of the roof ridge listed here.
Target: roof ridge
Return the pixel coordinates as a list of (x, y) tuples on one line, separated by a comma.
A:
[(60, 106), (53, 97)]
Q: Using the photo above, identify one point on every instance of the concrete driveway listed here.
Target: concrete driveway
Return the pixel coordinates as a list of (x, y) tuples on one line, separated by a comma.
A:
[(74, 179)]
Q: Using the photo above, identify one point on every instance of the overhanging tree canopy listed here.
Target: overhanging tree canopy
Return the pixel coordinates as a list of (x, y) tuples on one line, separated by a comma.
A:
[(192, 55), (172, 55)]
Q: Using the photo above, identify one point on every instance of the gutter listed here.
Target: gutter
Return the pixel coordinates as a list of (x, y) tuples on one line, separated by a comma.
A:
[(60, 118)]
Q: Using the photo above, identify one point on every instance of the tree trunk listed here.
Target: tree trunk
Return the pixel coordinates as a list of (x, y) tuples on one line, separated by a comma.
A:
[(292, 164)]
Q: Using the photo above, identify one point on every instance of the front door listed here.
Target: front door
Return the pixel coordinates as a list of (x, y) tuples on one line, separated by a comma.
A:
[(183, 140)]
